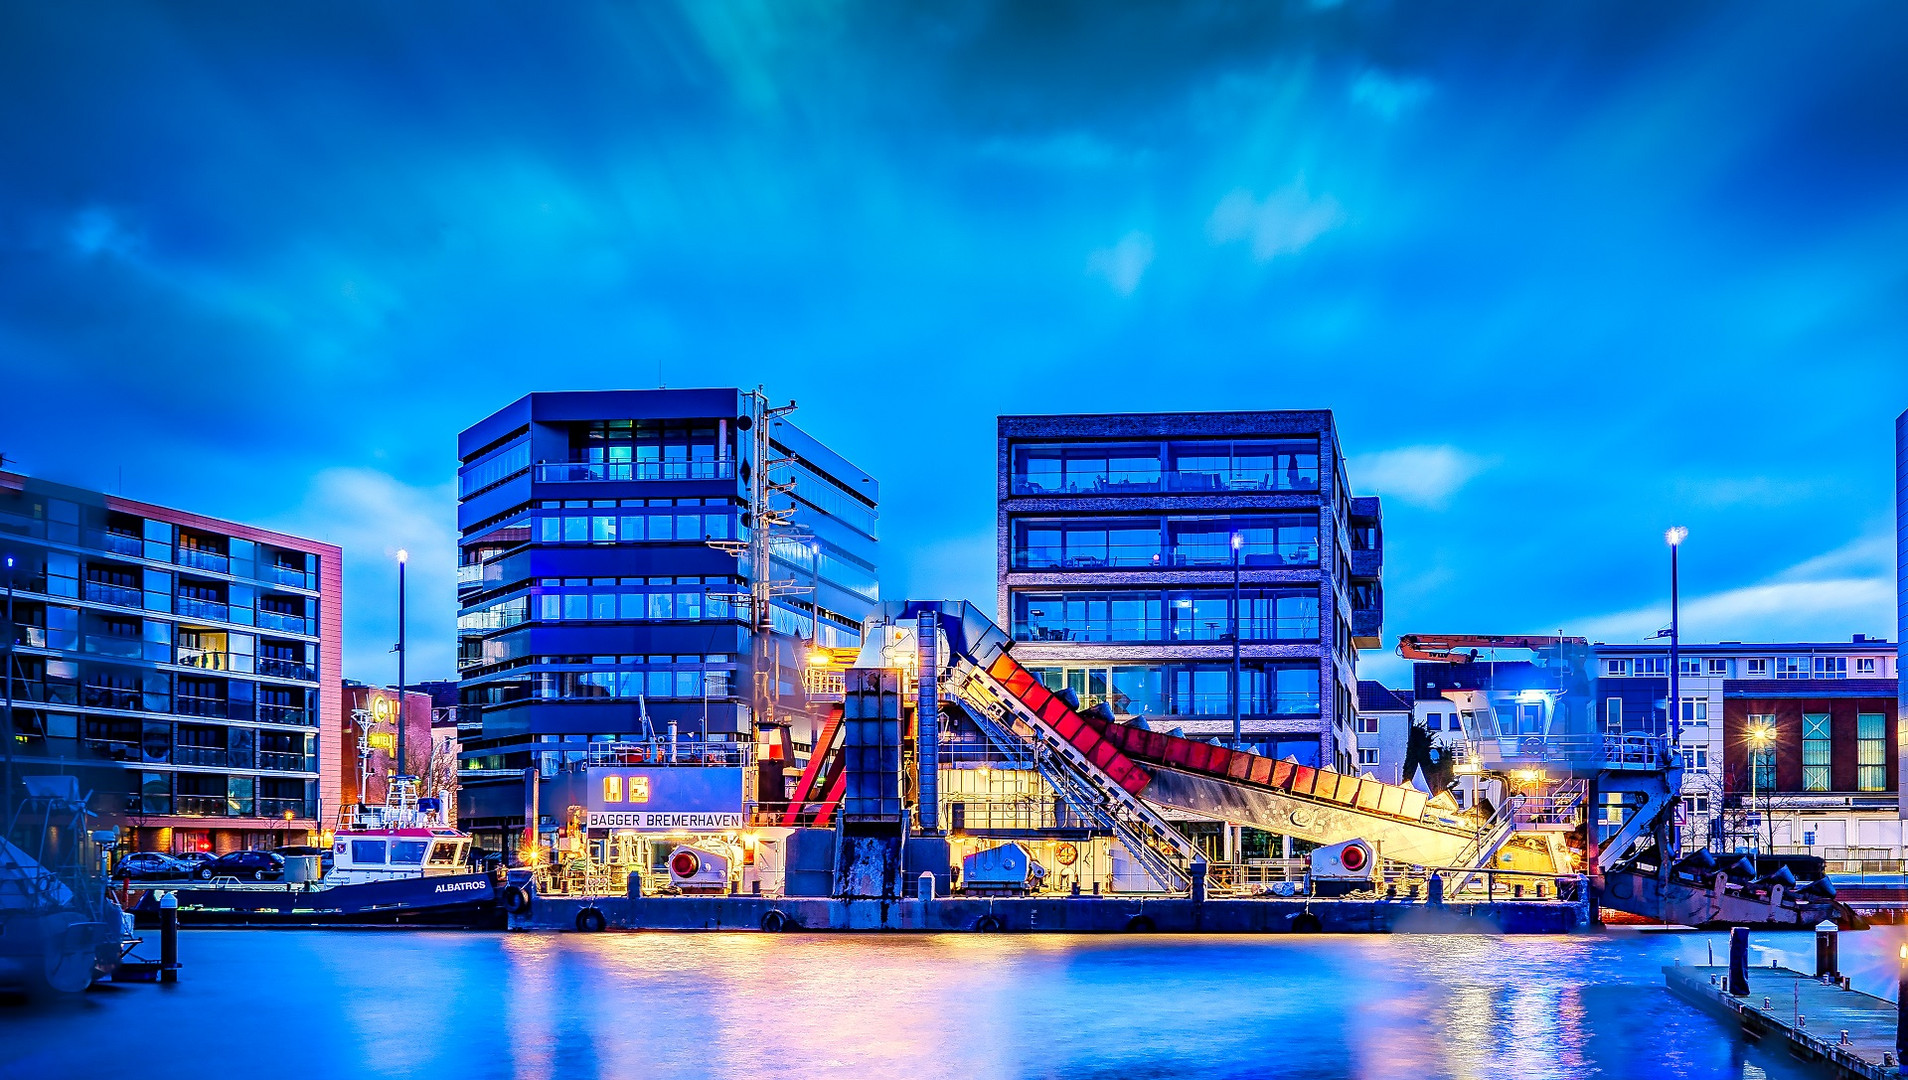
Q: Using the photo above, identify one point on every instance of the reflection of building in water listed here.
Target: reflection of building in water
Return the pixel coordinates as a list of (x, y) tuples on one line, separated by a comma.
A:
[(1124, 539)]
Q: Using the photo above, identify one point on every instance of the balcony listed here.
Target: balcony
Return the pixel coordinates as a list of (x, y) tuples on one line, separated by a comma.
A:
[(587, 471), (1146, 481), (100, 592), (29, 637), (193, 705), (268, 619), (470, 576), (287, 575), (286, 669), (280, 808), (204, 756), (194, 608), (203, 805), (204, 659), (202, 559), (109, 697), (284, 714), (117, 543), (278, 761)]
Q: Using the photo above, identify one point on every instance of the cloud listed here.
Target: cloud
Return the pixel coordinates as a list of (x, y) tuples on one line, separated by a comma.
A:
[(1820, 598), (1123, 263), (1389, 95), (97, 231), (1284, 223), (371, 514), (1424, 476)]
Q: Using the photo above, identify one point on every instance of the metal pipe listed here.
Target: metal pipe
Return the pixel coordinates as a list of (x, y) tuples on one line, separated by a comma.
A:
[(1237, 724), (402, 560)]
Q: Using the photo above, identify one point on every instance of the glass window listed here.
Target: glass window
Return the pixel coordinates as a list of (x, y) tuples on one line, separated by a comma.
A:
[(1871, 752), (365, 852), (1815, 751), (408, 852)]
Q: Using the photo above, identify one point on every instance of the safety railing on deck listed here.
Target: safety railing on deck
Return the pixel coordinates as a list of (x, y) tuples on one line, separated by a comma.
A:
[(661, 751)]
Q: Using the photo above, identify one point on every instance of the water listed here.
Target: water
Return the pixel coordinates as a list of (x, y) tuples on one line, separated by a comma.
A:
[(350, 1004)]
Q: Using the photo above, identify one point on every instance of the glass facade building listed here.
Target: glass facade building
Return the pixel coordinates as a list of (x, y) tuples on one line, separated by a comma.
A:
[(606, 571), (181, 661), (1125, 539)]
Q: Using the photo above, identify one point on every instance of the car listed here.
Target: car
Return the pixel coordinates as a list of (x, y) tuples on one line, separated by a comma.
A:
[(245, 866), (149, 866), (323, 853), (192, 860)]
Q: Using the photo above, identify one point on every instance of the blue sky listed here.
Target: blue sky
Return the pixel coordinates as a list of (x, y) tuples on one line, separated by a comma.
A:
[(1568, 273)]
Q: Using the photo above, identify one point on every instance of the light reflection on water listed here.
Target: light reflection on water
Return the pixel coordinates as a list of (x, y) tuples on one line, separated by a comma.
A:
[(557, 1007)]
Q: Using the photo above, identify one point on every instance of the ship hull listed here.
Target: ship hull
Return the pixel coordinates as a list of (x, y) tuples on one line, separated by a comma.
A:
[(448, 900)]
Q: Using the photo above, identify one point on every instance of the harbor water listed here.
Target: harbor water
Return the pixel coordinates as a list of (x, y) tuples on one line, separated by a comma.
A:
[(313, 1005)]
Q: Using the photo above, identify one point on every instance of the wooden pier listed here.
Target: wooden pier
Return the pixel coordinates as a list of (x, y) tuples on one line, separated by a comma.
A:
[(1846, 1033)]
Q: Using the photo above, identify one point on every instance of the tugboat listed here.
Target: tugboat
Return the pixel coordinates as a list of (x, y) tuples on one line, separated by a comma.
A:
[(396, 864), (60, 926)]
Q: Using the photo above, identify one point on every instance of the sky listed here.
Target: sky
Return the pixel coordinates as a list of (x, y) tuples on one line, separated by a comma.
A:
[(1567, 273)]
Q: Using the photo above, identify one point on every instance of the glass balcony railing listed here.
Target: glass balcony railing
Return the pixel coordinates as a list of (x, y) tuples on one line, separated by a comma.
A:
[(279, 761), (204, 658), (278, 620), (470, 576), (193, 705), (1143, 481), (194, 608), (29, 637), (585, 471), (202, 559), (284, 714), (109, 697), (117, 543), (216, 757), (286, 669), (202, 805), (100, 592), (278, 808), (287, 575)]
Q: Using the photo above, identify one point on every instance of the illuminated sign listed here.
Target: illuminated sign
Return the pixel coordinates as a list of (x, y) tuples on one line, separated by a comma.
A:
[(381, 709), (382, 740), (664, 797)]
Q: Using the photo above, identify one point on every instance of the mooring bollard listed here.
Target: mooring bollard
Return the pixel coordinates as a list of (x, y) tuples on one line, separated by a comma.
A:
[(633, 885), (1739, 961), (1828, 960), (168, 937), (1199, 881), (925, 888)]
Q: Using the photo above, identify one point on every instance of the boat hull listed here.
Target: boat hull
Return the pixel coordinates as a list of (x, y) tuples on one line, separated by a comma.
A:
[(452, 900)]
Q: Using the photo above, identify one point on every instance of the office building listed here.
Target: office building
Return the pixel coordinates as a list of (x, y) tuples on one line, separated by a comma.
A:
[(639, 563), (1901, 580), (1123, 540), (181, 662)]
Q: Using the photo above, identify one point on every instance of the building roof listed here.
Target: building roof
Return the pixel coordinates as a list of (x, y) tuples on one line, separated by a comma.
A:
[(1855, 642), (1374, 696)]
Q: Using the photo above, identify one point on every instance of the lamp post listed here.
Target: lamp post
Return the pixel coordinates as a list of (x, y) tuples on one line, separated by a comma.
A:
[(6, 771), (403, 557), (1675, 537), (1237, 722), (1761, 738)]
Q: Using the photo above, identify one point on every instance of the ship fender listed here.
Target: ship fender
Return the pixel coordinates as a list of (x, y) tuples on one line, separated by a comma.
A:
[(1140, 924), (516, 900), (590, 920), (990, 924), (774, 922)]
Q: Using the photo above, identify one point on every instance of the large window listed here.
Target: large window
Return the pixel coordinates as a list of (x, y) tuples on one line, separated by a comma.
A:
[(1101, 467), (1815, 751), (1192, 465), (1871, 752), (1123, 616), (1266, 689), (1182, 615), (1286, 540)]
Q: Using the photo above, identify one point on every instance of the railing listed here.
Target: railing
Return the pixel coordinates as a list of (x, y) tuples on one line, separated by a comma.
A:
[(1148, 631), (284, 714), (268, 619), (114, 645), (194, 608), (30, 637), (275, 668), (1113, 556), (202, 805), (193, 705), (585, 471), (278, 808), (117, 543), (280, 761), (1250, 557), (1141, 481), (203, 756), (470, 575), (109, 697), (206, 659), (202, 559), (824, 684), (100, 592), (659, 752)]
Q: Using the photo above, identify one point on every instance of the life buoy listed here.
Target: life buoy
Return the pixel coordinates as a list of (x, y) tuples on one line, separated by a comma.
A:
[(774, 922), (1066, 854), (1307, 923), (1140, 924), (516, 901), (990, 924), (590, 920)]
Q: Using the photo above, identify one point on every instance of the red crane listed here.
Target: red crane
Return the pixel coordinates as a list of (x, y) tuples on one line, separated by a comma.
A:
[(1447, 648)]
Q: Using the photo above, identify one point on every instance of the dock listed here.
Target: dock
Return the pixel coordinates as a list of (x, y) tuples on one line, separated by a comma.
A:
[(1059, 914), (1845, 1032)]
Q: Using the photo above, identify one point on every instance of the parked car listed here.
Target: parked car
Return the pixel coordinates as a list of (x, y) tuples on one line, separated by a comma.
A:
[(323, 853), (245, 866), (150, 866), (192, 860)]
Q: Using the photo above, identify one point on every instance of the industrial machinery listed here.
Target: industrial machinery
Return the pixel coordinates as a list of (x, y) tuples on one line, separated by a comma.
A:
[(1345, 867), (699, 868), (1006, 870)]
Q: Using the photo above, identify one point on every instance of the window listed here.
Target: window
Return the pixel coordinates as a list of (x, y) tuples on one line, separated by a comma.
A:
[(1865, 665), (1759, 732), (1652, 665), (1871, 752), (1718, 669), (1831, 667), (1815, 751), (1792, 667), (367, 852), (1699, 804), (408, 852), (1695, 758), (1367, 725), (1431, 721), (1695, 710), (1613, 715), (1367, 756), (1757, 667), (1689, 667), (1617, 668)]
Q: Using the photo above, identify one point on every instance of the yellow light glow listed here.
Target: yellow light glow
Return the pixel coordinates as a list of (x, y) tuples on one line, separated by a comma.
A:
[(1676, 535), (1761, 735)]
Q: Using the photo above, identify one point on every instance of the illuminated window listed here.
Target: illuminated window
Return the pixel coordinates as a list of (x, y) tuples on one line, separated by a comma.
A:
[(1815, 751), (1871, 752), (612, 789), (639, 789)]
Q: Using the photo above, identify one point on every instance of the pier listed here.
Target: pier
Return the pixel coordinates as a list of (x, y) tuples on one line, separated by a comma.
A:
[(1848, 1033)]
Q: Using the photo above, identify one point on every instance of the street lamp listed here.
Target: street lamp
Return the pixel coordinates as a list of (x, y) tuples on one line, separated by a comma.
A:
[(403, 557), (1675, 537), (1761, 740), (1238, 539)]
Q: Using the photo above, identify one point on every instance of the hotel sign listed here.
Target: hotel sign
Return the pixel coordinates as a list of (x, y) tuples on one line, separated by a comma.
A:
[(664, 798)]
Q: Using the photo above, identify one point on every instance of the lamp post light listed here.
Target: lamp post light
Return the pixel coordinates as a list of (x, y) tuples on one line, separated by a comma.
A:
[(6, 730), (1675, 537), (1238, 726), (1761, 739)]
